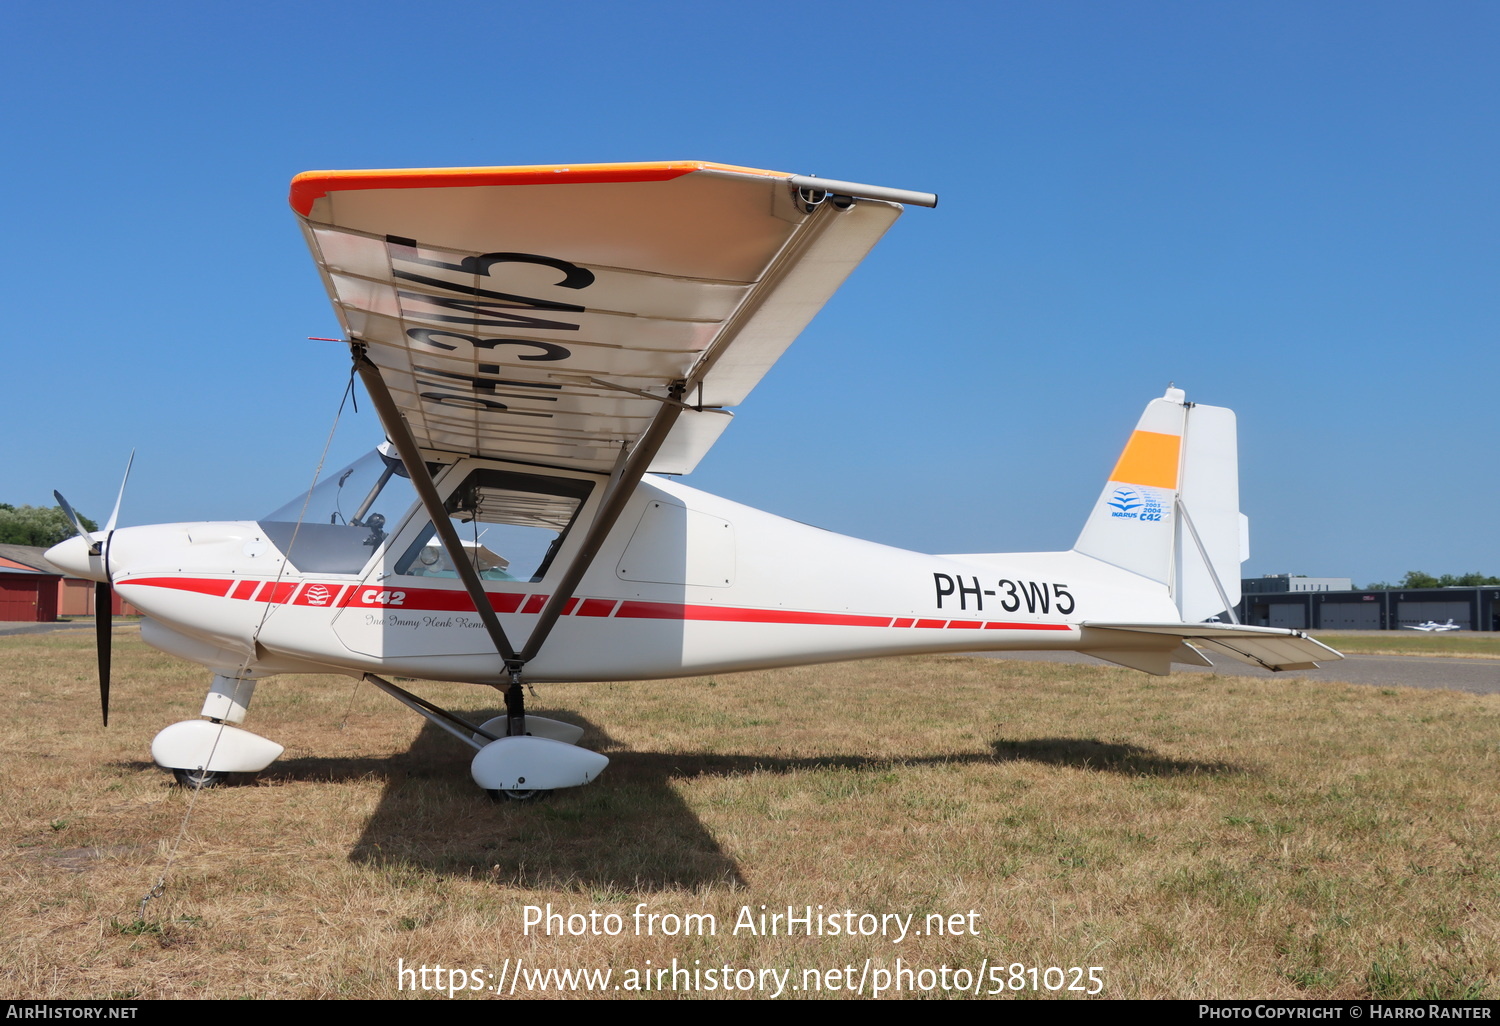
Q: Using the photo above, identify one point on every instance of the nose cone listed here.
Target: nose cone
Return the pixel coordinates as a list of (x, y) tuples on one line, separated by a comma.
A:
[(73, 557)]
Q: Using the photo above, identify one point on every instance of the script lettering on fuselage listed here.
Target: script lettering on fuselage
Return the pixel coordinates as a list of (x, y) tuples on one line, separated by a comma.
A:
[(1009, 595), (475, 309)]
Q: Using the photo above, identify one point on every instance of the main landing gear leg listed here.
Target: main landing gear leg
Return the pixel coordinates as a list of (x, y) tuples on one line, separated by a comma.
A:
[(516, 756), (515, 726), (203, 753), (535, 756), (515, 707)]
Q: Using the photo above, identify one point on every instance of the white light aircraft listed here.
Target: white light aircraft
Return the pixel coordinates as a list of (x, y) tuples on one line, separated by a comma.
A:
[(1434, 626), (541, 344)]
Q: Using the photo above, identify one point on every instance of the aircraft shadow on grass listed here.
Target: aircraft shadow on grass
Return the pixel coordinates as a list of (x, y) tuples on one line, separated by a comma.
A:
[(632, 831), (1087, 753)]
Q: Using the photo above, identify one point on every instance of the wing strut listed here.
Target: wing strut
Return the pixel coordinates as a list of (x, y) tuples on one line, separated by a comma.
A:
[(621, 488), (622, 482), (399, 432)]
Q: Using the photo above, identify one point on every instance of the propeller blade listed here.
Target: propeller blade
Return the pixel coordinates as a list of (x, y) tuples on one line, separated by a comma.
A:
[(115, 513), (72, 517), (104, 597), (104, 592)]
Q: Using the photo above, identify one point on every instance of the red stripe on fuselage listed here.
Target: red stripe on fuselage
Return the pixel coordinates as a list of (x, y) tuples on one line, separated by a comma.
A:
[(446, 600), (679, 611), (276, 592), (202, 585), (1026, 627)]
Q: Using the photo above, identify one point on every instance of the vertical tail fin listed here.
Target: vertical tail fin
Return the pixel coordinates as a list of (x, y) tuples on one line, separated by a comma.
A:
[(1170, 511)]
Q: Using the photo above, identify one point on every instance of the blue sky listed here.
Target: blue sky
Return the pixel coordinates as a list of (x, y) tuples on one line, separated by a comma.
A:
[(1286, 208)]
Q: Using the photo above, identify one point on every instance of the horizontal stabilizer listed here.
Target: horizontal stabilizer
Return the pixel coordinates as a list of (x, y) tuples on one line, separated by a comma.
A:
[(1272, 647), (1147, 660)]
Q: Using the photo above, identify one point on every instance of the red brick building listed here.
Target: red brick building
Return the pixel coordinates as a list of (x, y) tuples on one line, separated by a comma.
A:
[(33, 590)]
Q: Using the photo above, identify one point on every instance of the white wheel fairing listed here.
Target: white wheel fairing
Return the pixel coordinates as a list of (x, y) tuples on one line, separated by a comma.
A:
[(214, 747), (534, 764)]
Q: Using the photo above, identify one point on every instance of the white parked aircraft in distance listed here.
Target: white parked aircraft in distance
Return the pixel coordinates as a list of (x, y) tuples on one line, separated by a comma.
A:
[(542, 343), (1434, 626)]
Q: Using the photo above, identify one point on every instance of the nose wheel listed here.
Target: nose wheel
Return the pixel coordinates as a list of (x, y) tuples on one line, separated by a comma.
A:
[(533, 795), (206, 753)]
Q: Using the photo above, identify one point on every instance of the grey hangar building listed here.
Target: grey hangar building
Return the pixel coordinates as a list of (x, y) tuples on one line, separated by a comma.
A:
[(1314, 603)]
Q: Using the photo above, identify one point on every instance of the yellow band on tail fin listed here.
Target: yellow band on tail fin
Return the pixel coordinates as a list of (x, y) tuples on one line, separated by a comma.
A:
[(1150, 459)]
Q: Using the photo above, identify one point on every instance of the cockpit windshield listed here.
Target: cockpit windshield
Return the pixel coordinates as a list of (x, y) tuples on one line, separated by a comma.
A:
[(339, 525)]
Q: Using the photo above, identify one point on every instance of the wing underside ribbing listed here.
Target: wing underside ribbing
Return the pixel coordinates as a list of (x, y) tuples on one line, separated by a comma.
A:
[(544, 314)]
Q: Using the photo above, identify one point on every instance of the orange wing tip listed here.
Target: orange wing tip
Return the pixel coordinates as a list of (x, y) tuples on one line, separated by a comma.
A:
[(1150, 459), (311, 186)]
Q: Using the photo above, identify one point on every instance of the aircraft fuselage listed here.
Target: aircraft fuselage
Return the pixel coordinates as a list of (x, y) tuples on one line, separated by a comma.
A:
[(686, 583)]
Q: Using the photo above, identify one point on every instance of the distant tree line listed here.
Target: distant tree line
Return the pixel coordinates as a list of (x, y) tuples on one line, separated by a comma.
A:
[(44, 526), (1418, 579)]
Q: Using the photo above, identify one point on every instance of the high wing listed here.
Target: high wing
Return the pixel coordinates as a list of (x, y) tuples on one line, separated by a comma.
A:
[(544, 314)]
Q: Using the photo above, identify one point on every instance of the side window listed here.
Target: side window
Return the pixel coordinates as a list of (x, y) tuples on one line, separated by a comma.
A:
[(509, 524)]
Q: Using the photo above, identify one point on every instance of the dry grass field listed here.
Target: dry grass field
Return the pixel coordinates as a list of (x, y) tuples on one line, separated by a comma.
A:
[(1195, 836)]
